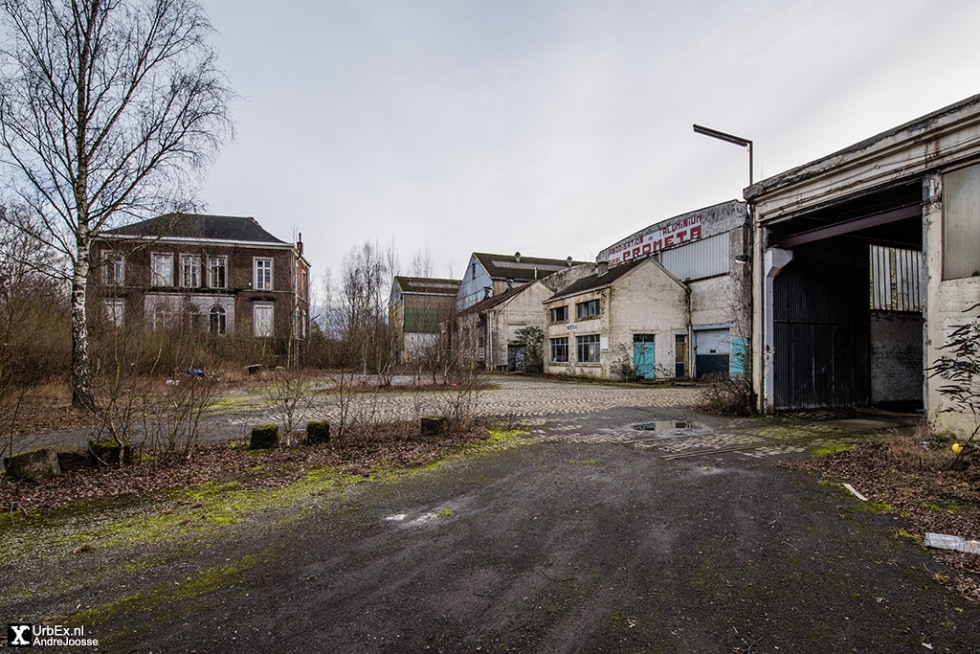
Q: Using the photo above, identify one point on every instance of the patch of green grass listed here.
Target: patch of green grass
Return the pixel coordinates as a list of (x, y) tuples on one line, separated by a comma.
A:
[(497, 440), (825, 449), (587, 462), (905, 534), (875, 507), (163, 595), (444, 512), (192, 513)]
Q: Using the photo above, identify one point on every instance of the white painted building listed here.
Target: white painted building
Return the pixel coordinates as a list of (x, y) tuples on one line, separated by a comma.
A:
[(708, 250), (620, 322)]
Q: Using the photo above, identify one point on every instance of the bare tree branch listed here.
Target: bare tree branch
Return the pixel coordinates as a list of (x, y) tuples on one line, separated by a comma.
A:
[(105, 108)]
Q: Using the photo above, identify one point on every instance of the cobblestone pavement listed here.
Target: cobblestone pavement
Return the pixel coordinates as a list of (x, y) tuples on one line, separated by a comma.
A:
[(513, 400), (659, 418), (662, 419)]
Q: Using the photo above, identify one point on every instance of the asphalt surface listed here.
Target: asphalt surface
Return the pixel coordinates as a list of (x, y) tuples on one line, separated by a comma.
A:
[(683, 536)]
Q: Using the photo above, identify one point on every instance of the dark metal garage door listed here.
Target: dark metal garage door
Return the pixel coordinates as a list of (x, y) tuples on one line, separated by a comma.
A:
[(821, 323)]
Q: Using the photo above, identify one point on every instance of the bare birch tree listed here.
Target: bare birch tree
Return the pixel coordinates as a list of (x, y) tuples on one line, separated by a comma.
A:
[(105, 106)]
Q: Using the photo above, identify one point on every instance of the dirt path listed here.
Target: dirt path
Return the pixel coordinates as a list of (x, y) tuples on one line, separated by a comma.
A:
[(593, 538)]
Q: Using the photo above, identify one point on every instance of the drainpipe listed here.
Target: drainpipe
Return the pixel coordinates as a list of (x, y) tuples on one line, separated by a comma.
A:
[(775, 260), (489, 352)]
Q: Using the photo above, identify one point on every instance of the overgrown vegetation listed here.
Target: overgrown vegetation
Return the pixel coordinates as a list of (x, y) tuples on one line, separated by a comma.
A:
[(728, 396), (959, 370), (532, 340)]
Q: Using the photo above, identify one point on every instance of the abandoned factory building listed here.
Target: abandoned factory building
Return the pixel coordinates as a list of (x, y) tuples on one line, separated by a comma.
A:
[(501, 295), (864, 263), (687, 315), (416, 307), (487, 275), (617, 323)]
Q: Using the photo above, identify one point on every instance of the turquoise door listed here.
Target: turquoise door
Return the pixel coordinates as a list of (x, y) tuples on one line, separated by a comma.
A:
[(644, 352)]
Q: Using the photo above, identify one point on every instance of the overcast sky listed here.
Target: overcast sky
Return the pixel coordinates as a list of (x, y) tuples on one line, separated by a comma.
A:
[(550, 127)]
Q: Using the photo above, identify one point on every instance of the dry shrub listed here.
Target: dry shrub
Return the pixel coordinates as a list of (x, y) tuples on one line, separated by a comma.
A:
[(726, 396)]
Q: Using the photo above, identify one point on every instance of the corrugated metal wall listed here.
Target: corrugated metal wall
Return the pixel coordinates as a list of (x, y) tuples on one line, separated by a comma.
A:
[(896, 282), (706, 257), (821, 320)]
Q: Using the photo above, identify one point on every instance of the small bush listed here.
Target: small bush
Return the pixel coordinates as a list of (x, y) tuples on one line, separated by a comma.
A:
[(726, 396)]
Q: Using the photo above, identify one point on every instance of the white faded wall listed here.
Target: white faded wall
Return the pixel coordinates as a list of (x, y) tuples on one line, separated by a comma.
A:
[(648, 300)]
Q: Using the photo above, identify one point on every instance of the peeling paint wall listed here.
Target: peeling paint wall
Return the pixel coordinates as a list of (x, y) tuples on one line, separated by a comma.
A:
[(646, 301)]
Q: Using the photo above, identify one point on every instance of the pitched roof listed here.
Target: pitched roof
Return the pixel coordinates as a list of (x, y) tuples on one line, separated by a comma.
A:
[(428, 285), (494, 300), (520, 268), (596, 280), (199, 226)]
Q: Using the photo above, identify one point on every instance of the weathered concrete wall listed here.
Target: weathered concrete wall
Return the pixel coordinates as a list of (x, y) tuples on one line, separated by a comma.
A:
[(676, 231), (951, 303), (526, 309), (919, 152), (648, 300), (896, 356)]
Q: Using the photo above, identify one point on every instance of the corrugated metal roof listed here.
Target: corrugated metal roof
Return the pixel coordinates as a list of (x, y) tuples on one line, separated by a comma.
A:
[(519, 267)]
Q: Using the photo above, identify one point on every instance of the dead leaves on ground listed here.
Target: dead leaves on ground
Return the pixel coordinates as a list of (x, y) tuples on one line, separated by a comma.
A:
[(356, 453), (912, 476)]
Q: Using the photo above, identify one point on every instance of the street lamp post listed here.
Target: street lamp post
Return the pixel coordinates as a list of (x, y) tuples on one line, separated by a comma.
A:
[(737, 140)]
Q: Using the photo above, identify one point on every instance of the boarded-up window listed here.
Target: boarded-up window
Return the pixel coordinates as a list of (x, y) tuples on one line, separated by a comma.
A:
[(961, 223)]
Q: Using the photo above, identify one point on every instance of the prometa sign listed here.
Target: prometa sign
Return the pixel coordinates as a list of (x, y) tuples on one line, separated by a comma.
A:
[(669, 235)]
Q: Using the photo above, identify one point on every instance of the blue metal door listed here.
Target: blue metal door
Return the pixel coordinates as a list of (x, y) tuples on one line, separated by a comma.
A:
[(644, 356)]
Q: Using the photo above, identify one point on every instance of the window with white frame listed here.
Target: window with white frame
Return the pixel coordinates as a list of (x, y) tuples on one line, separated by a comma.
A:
[(559, 314), (190, 271), (162, 269), (115, 268), (588, 309), (263, 319), (559, 350), (263, 274), (218, 272), (587, 348), (116, 311), (218, 320)]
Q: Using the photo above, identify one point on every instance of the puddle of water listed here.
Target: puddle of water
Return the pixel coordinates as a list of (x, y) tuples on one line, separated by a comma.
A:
[(662, 425)]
